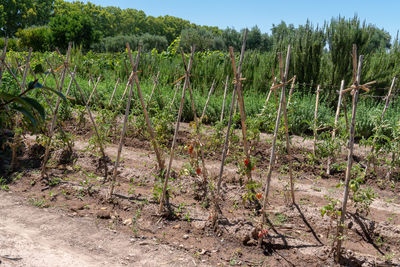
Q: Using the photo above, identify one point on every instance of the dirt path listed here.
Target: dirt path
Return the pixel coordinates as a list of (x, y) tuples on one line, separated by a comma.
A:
[(30, 236)]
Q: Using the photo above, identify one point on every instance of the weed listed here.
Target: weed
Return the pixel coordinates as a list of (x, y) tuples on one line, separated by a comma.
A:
[(40, 203)]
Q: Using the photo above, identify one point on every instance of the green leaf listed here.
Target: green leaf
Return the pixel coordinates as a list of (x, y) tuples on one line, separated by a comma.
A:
[(27, 115), (35, 84), (35, 105), (56, 92)]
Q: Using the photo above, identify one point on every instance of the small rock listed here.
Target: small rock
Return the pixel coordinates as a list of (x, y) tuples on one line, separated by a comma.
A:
[(178, 226), (103, 214), (127, 221), (199, 225), (185, 236), (76, 207)]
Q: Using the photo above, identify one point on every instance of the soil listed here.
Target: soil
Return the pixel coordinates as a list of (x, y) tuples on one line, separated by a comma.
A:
[(66, 219)]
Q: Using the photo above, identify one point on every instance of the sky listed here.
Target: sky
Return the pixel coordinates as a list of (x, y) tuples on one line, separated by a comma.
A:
[(247, 13)]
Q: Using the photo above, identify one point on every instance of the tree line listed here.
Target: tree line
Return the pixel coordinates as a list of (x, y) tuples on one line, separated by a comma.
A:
[(320, 54)]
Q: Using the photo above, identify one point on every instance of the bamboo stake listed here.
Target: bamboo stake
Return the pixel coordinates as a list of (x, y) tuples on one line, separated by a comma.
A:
[(225, 148), (26, 67), (345, 112), (154, 142), (113, 93), (278, 119), (270, 91), (349, 157), (177, 86), (164, 197), (223, 102), (198, 134), (104, 158), (16, 139), (208, 99), (224, 153), (328, 167), (54, 119), (237, 73), (388, 97), (130, 79), (288, 148), (53, 73), (94, 90), (121, 140), (291, 90), (315, 120), (155, 84), (2, 58)]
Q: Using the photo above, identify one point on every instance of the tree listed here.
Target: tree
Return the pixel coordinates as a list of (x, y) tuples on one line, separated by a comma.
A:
[(18, 14), (39, 38), (232, 38), (149, 42), (199, 37), (74, 27), (254, 39)]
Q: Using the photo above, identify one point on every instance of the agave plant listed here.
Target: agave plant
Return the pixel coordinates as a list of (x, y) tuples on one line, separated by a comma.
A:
[(29, 107)]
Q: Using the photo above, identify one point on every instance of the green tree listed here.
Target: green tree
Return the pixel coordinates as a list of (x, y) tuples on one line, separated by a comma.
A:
[(254, 39), (39, 38), (19, 14), (199, 37), (74, 27)]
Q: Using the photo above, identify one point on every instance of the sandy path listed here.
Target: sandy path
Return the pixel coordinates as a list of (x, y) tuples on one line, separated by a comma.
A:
[(30, 236)]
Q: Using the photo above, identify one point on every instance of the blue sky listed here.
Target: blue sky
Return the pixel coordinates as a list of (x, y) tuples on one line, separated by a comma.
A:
[(247, 13)]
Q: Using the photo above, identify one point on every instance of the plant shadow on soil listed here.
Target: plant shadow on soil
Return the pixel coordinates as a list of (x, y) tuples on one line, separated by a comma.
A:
[(297, 233)]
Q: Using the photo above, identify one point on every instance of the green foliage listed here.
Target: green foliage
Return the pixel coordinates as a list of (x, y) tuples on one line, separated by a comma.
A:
[(39, 38), (17, 14), (74, 27), (201, 38), (31, 109)]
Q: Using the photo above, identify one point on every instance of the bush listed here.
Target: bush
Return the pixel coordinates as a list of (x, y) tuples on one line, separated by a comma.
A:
[(39, 38), (12, 44)]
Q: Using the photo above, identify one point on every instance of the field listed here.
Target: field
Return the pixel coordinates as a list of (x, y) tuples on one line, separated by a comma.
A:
[(114, 164)]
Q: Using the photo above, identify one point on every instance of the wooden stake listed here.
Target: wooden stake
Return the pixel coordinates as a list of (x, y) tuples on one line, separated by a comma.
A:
[(152, 91), (154, 142), (224, 153), (388, 97), (223, 102), (121, 140), (16, 138), (2, 58), (177, 86), (208, 99), (94, 90), (130, 80), (278, 119), (349, 157), (196, 122), (345, 112), (270, 91), (164, 197), (288, 148), (237, 75), (328, 167), (315, 120), (113, 93), (104, 158), (54, 119), (26, 68), (291, 90)]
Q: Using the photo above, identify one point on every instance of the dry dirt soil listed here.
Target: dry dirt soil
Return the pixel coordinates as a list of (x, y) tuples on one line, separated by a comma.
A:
[(66, 219)]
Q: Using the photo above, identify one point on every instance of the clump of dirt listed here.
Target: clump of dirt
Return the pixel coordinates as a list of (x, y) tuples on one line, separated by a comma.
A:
[(64, 156)]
